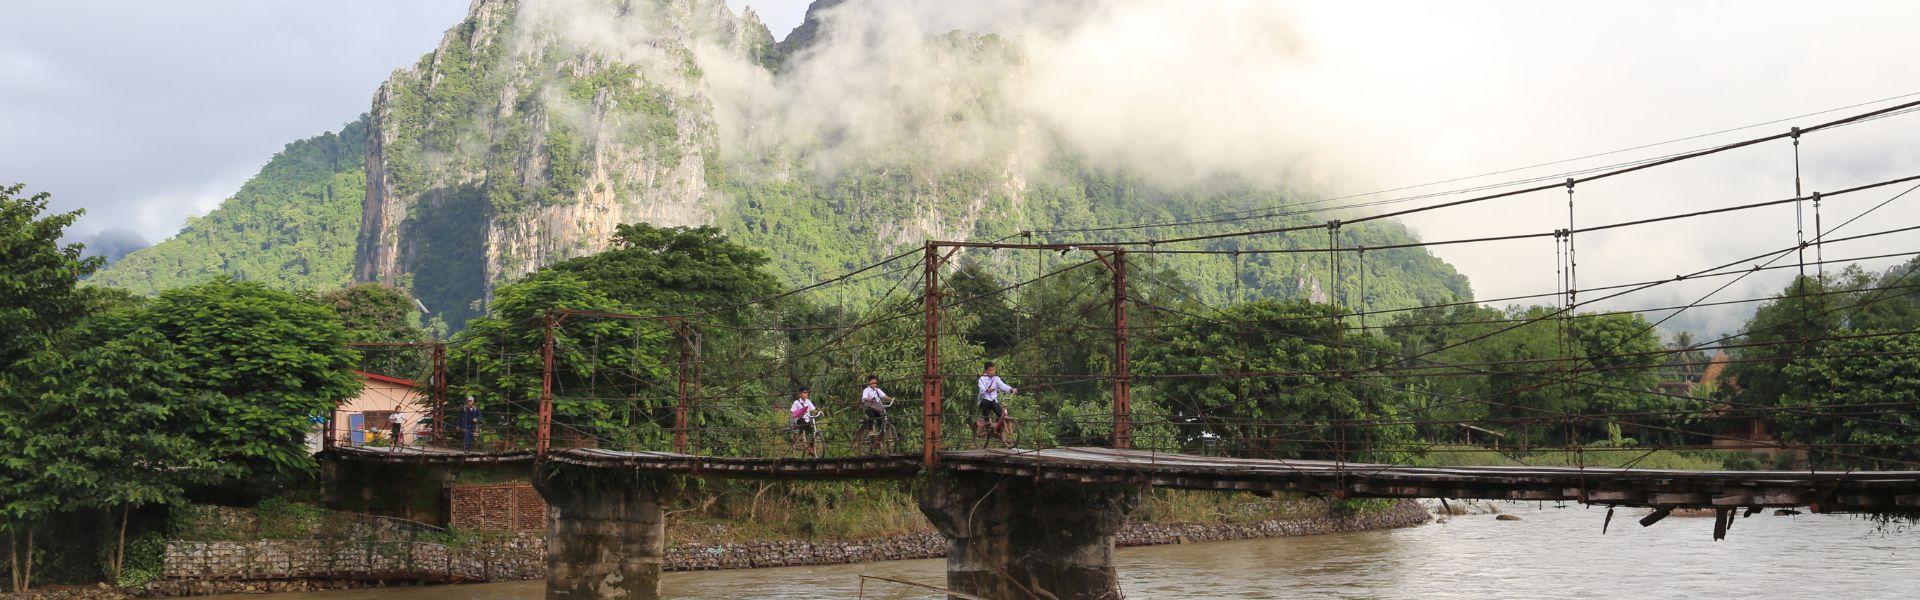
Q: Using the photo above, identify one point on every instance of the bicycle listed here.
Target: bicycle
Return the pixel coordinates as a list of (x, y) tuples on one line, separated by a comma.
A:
[(809, 442), (870, 439), (997, 427)]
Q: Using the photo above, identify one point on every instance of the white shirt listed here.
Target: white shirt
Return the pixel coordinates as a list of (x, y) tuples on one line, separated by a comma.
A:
[(872, 396), (396, 419), (991, 386), (802, 406)]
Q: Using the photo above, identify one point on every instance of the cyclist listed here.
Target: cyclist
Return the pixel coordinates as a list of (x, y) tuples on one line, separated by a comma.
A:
[(873, 402), (801, 414), (992, 413)]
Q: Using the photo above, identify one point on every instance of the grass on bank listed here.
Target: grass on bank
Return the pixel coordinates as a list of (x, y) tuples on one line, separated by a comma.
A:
[(1694, 460)]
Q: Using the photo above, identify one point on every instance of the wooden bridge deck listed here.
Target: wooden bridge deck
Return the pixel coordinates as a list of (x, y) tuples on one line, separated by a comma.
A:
[(1825, 490), (426, 455), (864, 467)]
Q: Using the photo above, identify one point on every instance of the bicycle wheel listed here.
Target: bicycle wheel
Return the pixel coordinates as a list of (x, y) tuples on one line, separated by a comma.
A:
[(866, 441)]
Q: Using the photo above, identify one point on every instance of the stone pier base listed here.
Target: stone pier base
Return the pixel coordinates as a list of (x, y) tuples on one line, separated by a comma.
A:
[(1016, 538), (606, 535)]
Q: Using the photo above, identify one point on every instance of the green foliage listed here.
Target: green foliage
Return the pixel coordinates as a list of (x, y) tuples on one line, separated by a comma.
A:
[(1874, 382), (1286, 348), (291, 226), (110, 425), (38, 301), (375, 312), (502, 353), (145, 560), (1465, 456), (1833, 345), (669, 270), (114, 403), (264, 360), (37, 293), (1535, 372)]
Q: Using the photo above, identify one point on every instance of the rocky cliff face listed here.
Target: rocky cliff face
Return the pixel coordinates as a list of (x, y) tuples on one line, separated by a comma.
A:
[(523, 139)]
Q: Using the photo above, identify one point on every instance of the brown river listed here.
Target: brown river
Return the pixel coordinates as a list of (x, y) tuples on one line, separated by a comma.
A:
[(1550, 553)]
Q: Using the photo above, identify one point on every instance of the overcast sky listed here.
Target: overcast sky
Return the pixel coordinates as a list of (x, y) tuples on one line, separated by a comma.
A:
[(145, 113)]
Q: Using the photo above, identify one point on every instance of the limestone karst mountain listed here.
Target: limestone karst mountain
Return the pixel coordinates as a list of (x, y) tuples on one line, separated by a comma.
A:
[(536, 126)]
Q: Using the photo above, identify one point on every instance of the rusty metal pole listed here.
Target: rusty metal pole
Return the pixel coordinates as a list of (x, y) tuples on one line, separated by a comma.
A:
[(1122, 374), (930, 412), (543, 435), (439, 352), (680, 371)]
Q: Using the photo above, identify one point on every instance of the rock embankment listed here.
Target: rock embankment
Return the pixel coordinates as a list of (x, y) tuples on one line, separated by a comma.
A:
[(198, 568), (788, 553), (1405, 513)]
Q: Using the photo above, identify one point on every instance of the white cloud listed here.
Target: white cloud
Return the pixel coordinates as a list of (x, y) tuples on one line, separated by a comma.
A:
[(1354, 96)]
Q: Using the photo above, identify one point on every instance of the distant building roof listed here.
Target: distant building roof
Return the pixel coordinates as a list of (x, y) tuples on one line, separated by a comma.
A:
[(386, 379)]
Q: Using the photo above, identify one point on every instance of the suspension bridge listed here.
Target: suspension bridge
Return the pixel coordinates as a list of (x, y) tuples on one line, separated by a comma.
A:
[(610, 408)]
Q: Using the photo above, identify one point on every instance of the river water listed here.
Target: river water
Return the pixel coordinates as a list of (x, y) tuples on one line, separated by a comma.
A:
[(1552, 552)]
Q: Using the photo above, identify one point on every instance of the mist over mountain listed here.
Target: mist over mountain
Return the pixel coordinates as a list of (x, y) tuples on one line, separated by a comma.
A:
[(112, 244), (536, 126)]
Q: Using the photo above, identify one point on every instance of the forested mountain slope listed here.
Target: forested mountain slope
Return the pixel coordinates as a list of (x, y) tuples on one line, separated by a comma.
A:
[(291, 226)]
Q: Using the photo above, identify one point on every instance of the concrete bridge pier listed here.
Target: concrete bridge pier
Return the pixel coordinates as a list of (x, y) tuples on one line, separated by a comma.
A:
[(1016, 538), (606, 533)]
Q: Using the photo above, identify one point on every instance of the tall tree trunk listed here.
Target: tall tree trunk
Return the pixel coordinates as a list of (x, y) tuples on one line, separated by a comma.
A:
[(120, 551), (13, 557), (26, 578)]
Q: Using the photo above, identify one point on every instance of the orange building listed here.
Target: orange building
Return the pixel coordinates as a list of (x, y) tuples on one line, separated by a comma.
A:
[(363, 419)]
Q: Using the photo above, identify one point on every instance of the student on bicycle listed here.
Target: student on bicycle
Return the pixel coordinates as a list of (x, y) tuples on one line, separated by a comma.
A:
[(873, 401), (801, 414), (991, 411)]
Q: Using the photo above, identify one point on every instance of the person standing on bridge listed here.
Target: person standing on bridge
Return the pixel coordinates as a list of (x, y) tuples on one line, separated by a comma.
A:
[(469, 424), (993, 415), (399, 422)]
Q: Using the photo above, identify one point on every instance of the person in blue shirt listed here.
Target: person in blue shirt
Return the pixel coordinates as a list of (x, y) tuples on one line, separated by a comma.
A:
[(469, 424)]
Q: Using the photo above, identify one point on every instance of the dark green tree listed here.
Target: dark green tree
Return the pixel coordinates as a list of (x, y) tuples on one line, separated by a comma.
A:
[(376, 312), (1861, 393), (39, 295), (39, 299), (612, 381), (615, 377), (671, 270), (1827, 361), (272, 359), (1259, 379), (109, 429)]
